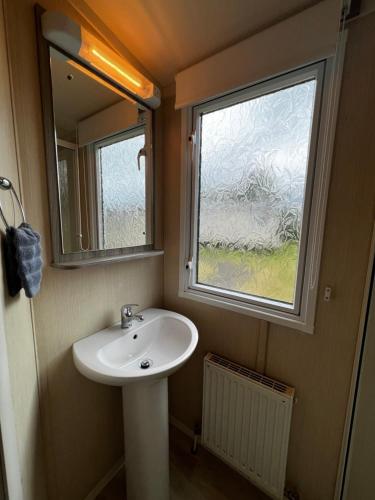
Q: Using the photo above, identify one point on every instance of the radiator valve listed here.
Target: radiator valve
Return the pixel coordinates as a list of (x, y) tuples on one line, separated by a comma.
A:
[(291, 494), (197, 434)]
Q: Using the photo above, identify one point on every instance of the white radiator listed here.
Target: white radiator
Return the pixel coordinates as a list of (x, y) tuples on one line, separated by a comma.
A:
[(246, 422)]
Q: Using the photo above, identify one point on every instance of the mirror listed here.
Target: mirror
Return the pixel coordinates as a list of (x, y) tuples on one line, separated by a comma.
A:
[(103, 141), (99, 157)]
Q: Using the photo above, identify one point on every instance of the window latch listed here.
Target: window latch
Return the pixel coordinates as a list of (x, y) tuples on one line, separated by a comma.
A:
[(189, 265), (192, 141), (141, 152), (192, 138)]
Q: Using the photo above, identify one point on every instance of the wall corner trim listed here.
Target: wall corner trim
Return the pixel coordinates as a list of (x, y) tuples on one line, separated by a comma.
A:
[(100, 485)]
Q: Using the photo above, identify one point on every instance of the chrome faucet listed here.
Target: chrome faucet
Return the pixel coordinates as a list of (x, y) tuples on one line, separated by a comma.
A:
[(127, 315)]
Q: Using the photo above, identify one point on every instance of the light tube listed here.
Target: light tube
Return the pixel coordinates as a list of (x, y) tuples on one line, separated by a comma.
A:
[(78, 42)]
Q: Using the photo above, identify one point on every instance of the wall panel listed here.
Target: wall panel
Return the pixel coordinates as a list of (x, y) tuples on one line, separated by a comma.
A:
[(318, 365), (82, 421)]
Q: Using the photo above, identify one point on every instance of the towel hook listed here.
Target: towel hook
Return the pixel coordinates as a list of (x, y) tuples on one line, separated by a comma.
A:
[(6, 185)]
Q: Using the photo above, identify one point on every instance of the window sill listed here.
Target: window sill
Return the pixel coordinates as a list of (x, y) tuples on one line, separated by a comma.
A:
[(95, 261), (277, 317)]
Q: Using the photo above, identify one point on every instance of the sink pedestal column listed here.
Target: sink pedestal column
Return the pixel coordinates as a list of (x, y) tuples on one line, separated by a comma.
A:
[(145, 410)]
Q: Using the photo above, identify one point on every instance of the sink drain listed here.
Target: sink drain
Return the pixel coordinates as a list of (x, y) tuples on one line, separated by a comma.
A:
[(145, 363)]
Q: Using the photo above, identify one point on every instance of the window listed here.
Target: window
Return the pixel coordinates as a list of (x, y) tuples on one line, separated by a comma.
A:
[(121, 190), (254, 173)]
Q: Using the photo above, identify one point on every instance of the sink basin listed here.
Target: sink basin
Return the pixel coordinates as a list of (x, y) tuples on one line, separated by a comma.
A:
[(140, 359), (161, 344)]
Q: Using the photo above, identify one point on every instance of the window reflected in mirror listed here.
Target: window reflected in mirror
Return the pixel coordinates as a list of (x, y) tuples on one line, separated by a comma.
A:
[(104, 174)]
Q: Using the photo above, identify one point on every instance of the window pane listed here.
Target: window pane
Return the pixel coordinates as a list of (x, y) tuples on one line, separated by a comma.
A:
[(254, 158), (123, 194)]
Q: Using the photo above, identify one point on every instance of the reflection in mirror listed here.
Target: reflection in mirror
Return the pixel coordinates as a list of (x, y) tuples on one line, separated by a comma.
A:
[(103, 143)]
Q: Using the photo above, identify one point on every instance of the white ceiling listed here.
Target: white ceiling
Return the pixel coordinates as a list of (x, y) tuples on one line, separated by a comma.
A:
[(167, 36)]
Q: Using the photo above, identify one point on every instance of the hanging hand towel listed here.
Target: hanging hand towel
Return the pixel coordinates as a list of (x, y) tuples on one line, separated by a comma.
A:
[(23, 260)]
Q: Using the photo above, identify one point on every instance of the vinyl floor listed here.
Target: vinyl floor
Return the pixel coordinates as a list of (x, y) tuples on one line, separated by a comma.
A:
[(194, 477)]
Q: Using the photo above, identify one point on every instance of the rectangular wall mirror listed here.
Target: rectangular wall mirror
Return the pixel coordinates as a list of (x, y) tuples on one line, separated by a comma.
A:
[(100, 162), (103, 143)]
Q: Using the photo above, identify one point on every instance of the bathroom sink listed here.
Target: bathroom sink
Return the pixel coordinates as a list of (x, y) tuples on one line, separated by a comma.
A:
[(151, 349), (140, 359)]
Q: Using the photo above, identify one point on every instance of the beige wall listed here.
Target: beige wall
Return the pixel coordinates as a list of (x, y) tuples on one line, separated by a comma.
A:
[(81, 420), (359, 477), (319, 366), (17, 316)]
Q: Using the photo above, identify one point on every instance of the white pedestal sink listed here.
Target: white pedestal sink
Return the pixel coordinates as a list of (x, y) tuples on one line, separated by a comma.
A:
[(140, 359)]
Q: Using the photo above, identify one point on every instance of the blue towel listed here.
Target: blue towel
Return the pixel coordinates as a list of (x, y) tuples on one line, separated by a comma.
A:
[(23, 260)]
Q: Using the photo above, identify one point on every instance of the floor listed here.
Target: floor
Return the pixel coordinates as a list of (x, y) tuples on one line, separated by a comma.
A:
[(194, 477)]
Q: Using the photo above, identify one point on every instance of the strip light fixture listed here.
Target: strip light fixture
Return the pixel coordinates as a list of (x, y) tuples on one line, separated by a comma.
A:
[(75, 40)]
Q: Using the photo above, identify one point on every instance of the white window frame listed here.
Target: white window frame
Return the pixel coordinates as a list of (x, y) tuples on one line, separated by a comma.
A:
[(78, 229), (301, 314)]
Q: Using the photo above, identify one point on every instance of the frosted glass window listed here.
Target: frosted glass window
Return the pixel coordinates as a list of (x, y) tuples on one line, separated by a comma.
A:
[(253, 165), (123, 192)]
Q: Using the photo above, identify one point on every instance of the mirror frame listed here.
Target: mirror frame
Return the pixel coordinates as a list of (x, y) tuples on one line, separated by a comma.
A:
[(90, 257)]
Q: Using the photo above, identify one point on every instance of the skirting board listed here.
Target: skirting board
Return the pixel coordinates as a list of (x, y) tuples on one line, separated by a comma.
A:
[(181, 427), (99, 487)]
